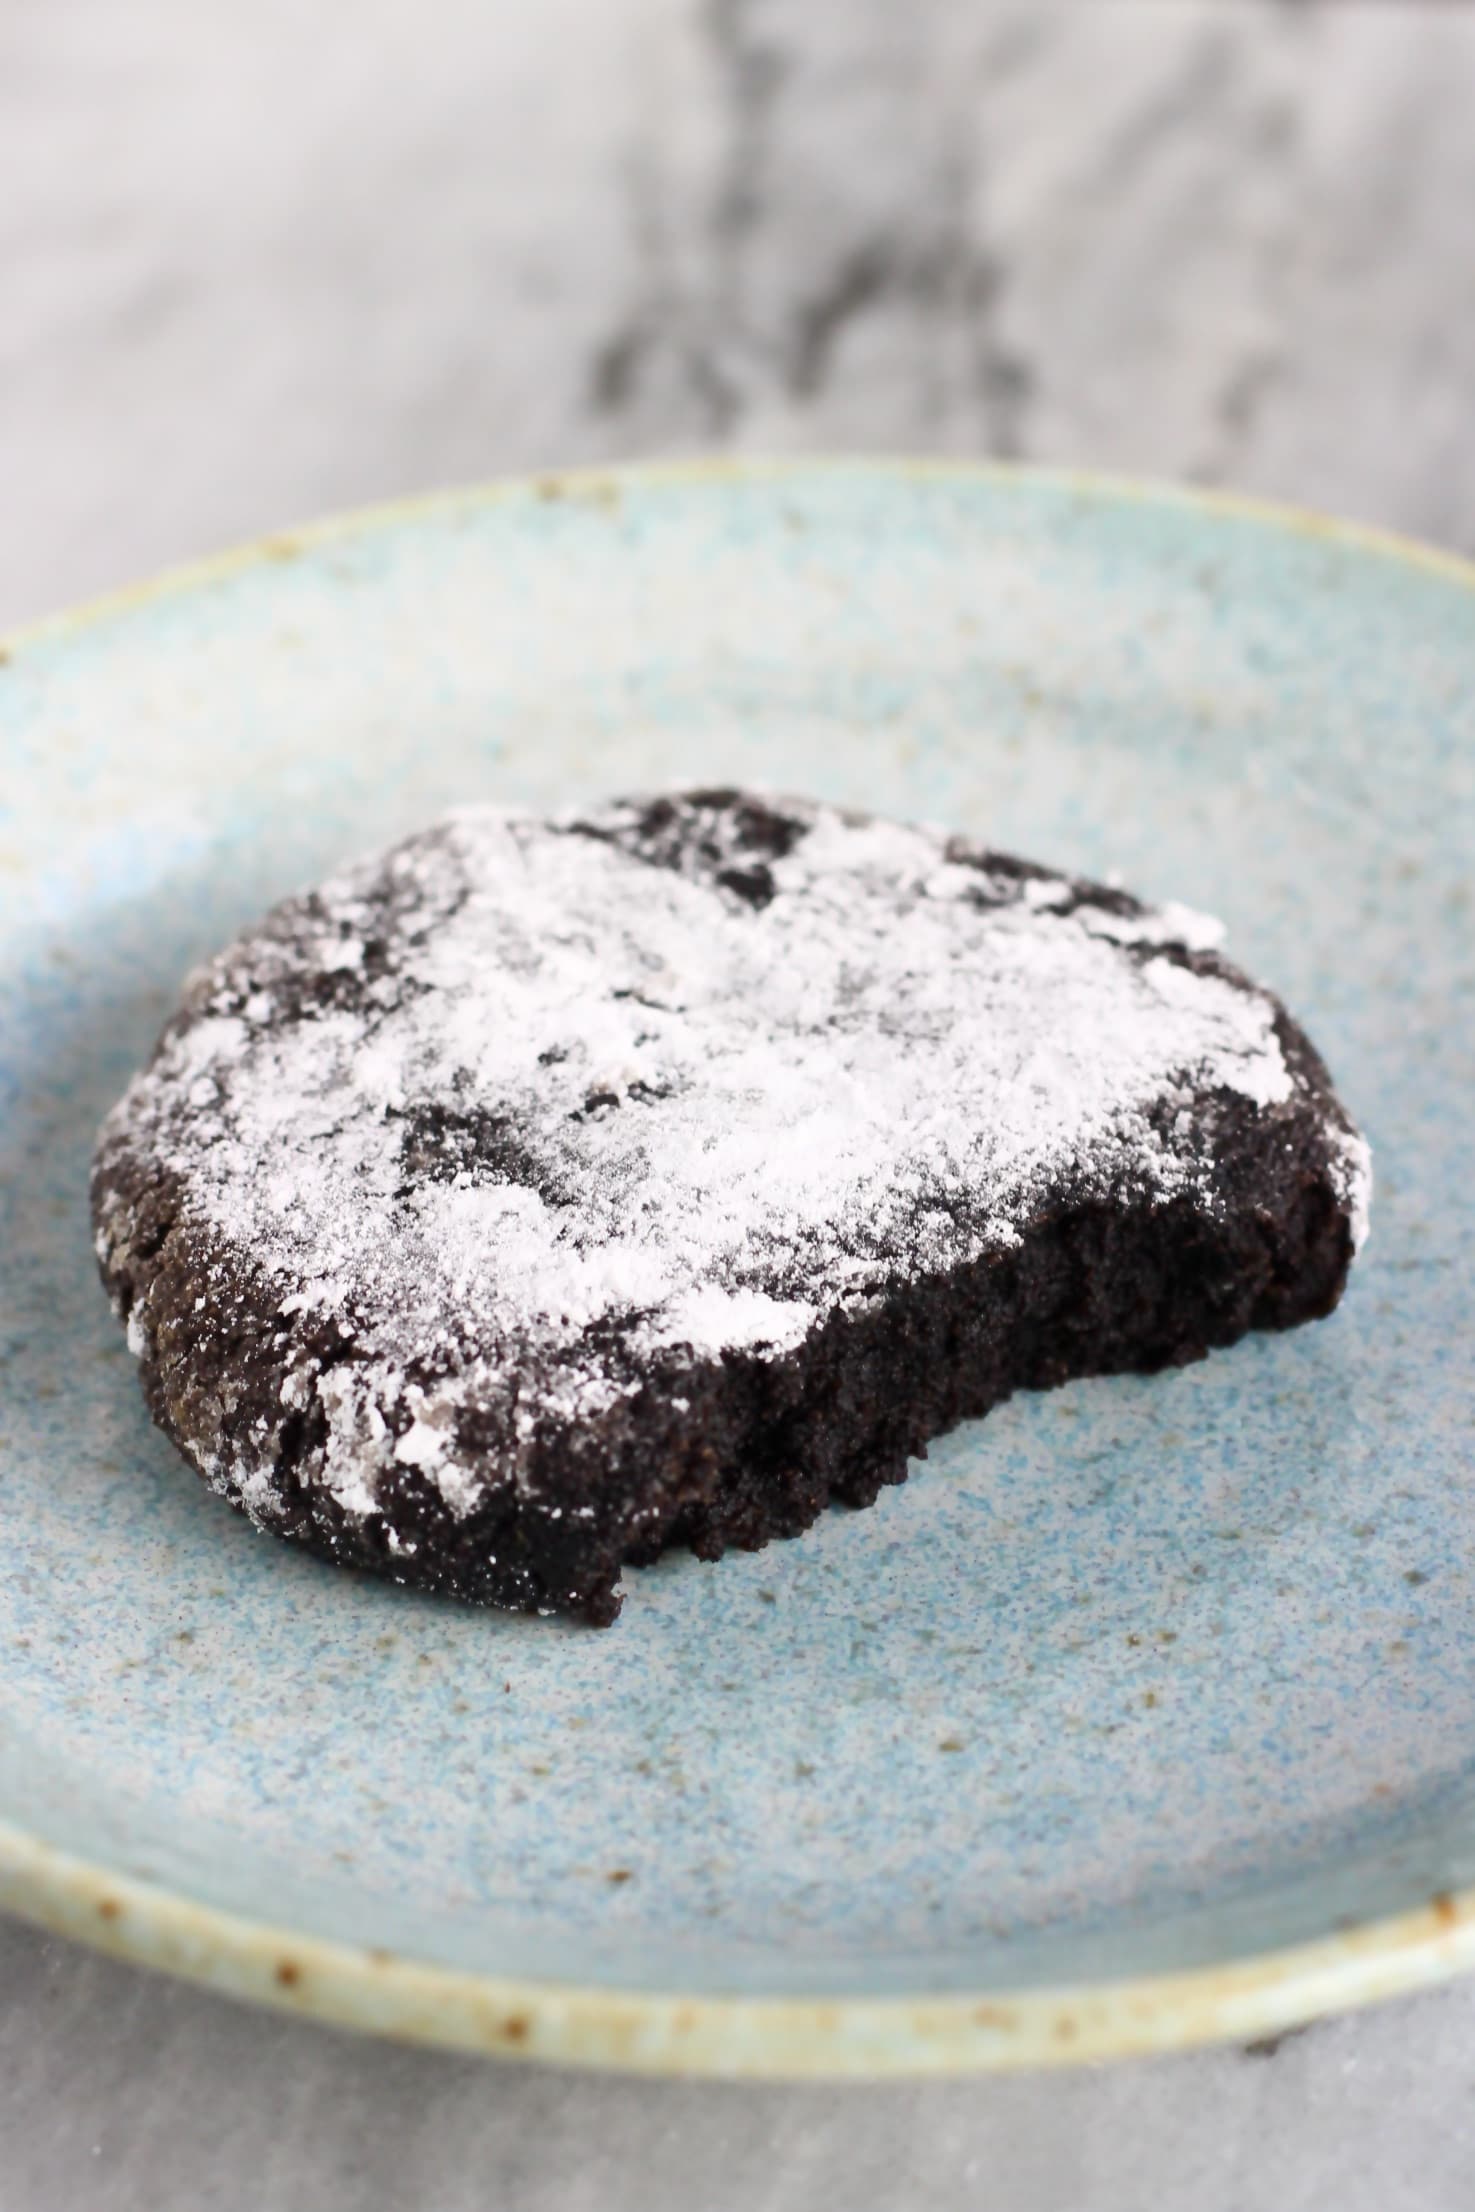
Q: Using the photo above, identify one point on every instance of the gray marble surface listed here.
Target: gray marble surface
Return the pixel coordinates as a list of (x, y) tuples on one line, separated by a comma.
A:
[(268, 260)]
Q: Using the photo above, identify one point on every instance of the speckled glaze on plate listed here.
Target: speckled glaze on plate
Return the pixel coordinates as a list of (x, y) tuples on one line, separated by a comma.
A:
[(1146, 1710)]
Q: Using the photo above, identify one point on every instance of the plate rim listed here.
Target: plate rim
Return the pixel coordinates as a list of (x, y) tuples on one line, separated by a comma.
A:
[(381, 1992)]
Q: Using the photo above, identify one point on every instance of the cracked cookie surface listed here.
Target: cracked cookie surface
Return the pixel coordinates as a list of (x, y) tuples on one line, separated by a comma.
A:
[(539, 1194)]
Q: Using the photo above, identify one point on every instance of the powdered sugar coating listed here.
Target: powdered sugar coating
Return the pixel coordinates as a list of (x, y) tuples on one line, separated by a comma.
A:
[(519, 1103)]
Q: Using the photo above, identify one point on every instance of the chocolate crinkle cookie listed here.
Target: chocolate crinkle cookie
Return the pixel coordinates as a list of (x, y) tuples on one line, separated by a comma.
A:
[(538, 1195)]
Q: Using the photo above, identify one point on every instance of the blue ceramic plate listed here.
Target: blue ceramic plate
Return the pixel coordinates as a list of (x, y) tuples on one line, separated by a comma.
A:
[(1146, 1710)]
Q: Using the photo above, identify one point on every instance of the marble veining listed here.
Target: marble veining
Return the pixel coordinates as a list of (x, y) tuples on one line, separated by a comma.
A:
[(1221, 240)]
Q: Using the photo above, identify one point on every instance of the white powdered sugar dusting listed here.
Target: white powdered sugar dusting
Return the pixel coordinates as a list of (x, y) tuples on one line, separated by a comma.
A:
[(518, 1087), (1351, 1166)]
